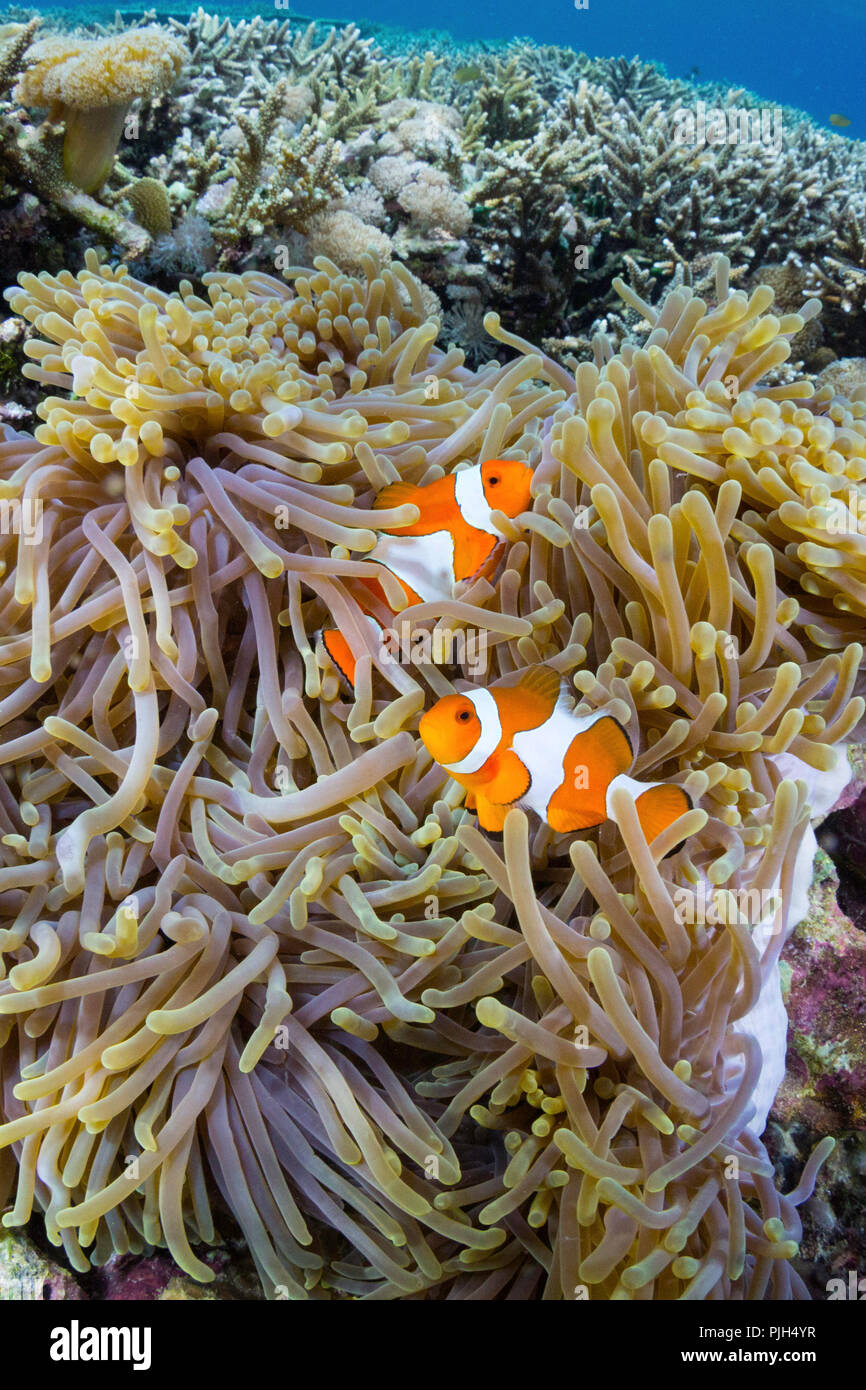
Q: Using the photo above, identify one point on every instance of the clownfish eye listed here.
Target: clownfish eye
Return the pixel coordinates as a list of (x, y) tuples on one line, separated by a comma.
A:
[(494, 479), (464, 716)]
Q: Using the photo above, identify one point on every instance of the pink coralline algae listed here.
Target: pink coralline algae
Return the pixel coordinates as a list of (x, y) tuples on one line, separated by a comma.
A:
[(826, 1004)]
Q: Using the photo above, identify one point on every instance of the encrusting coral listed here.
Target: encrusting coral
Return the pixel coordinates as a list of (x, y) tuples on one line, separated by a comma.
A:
[(149, 200), (235, 902)]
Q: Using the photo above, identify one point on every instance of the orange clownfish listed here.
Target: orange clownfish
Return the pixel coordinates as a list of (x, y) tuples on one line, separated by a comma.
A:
[(453, 539), (524, 744)]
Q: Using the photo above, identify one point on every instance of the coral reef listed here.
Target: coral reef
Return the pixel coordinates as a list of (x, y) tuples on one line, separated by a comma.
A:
[(26, 1275), (188, 249), (825, 966), (33, 158), (823, 981), (271, 1005), (286, 191), (88, 85), (149, 201), (532, 175)]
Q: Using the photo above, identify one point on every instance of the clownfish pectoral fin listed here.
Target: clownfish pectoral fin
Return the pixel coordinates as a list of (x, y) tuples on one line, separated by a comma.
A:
[(340, 653), (510, 779), (659, 807), (490, 817)]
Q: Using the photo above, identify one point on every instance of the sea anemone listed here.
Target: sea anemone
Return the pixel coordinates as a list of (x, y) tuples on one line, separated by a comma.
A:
[(236, 904), (798, 453), (90, 85)]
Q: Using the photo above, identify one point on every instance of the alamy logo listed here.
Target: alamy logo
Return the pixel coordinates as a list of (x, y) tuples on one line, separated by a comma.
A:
[(729, 125), (714, 908), (21, 518), (406, 646), (77, 1343), (847, 517), (854, 1290)]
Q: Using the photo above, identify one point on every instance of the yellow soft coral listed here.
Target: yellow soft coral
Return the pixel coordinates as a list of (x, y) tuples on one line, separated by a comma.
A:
[(90, 85)]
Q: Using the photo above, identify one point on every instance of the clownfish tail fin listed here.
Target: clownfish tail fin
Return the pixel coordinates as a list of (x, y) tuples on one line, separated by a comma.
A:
[(658, 804), (340, 653)]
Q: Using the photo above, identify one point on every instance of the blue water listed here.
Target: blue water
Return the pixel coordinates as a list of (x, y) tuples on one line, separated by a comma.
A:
[(791, 52)]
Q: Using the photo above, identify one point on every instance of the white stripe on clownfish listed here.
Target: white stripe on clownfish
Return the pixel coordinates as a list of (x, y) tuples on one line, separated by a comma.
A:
[(425, 563), (488, 740), (472, 501)]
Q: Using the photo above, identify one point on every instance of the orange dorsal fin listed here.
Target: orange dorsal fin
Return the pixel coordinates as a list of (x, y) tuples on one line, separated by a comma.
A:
[(395, 494), (528, 702), (435, 501), (340, 653), (542, 681), (659, 807), (613, 744)]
